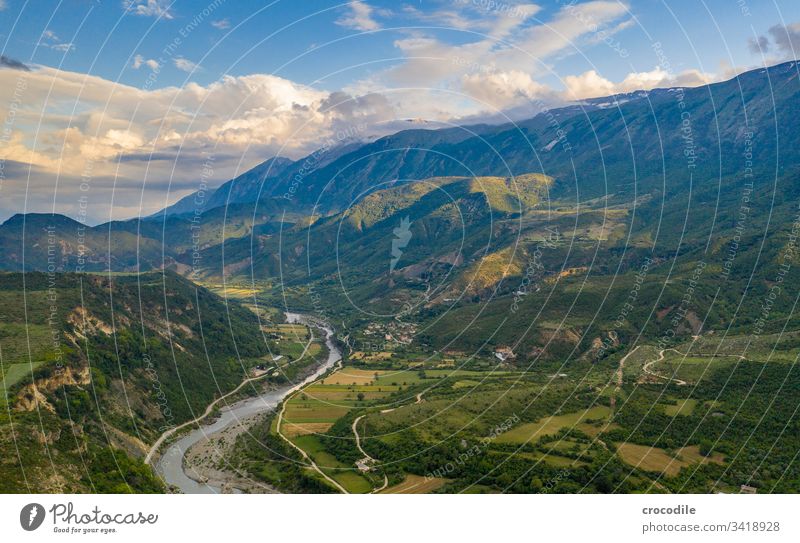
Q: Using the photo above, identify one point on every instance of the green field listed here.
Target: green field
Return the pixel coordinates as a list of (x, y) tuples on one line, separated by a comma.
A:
[(552, 425), (690, 368), (681, 407), (343, 474), (13, 374)]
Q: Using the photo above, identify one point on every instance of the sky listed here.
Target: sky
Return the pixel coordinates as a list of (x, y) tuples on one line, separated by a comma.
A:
[(113, 109)]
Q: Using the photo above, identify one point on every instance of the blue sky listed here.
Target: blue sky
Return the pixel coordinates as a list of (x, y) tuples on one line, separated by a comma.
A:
[(113, 84), (303, 42)]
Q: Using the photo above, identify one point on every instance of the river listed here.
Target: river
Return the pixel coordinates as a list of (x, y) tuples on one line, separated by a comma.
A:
[(170, 465)]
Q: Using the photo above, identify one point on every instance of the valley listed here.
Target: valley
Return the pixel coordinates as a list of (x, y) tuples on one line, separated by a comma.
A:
[(385, 423)]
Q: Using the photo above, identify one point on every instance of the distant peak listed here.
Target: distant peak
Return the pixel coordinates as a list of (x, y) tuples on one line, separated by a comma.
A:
[(38, 219)]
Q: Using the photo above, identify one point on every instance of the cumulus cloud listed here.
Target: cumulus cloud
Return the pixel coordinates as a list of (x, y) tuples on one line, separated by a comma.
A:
[(360, 16), (240, 120), (591, 84), (502, 90), (139, 61), (149, 8), (499, 69), (499, 76), (147, 139), (587, 85), (222, 24)]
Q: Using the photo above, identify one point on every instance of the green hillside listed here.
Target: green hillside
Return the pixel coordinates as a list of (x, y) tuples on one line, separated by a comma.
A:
[(95, 368)]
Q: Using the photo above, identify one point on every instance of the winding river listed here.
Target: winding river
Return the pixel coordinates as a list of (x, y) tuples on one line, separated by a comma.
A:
[(170, 465)]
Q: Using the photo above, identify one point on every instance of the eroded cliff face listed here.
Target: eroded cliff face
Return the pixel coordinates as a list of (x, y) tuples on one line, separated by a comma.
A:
[(86, 324), (33, 396)]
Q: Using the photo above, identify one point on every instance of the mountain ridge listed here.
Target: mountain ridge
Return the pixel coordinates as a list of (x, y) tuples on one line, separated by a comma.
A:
[(652, 145)]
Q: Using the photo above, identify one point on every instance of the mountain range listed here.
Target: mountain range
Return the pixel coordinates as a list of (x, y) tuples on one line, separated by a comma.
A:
[(666, 176)]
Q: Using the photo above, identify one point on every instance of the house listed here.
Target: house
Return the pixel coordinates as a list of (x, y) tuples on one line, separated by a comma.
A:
[(504, 353)]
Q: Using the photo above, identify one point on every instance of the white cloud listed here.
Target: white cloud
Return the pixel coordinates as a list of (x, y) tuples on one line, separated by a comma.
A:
[(502, 90), (139, 61), (513, 42), (116, 129), (499, 72), (359, 17), (50, 36), (497, 22), (590, 84), (63, 47), (454, 18), (51, 40), (149, 8), (184, 64), (3, 5), (222, 24)]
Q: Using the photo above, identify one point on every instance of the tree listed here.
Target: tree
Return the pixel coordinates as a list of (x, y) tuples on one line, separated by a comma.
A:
[(360, 396), (706, 447)]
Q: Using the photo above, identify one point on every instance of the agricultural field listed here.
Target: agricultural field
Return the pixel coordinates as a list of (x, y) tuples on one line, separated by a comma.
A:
[(654, 459), (662, 424), (232, 291), (552, 425), (414, 484), (291, 348), (342, 473), (346, 393), (387, 355)]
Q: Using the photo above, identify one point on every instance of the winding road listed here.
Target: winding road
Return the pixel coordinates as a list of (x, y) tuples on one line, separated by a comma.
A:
[(619, 376), (305, 455), (646, 367), (367, 457)]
